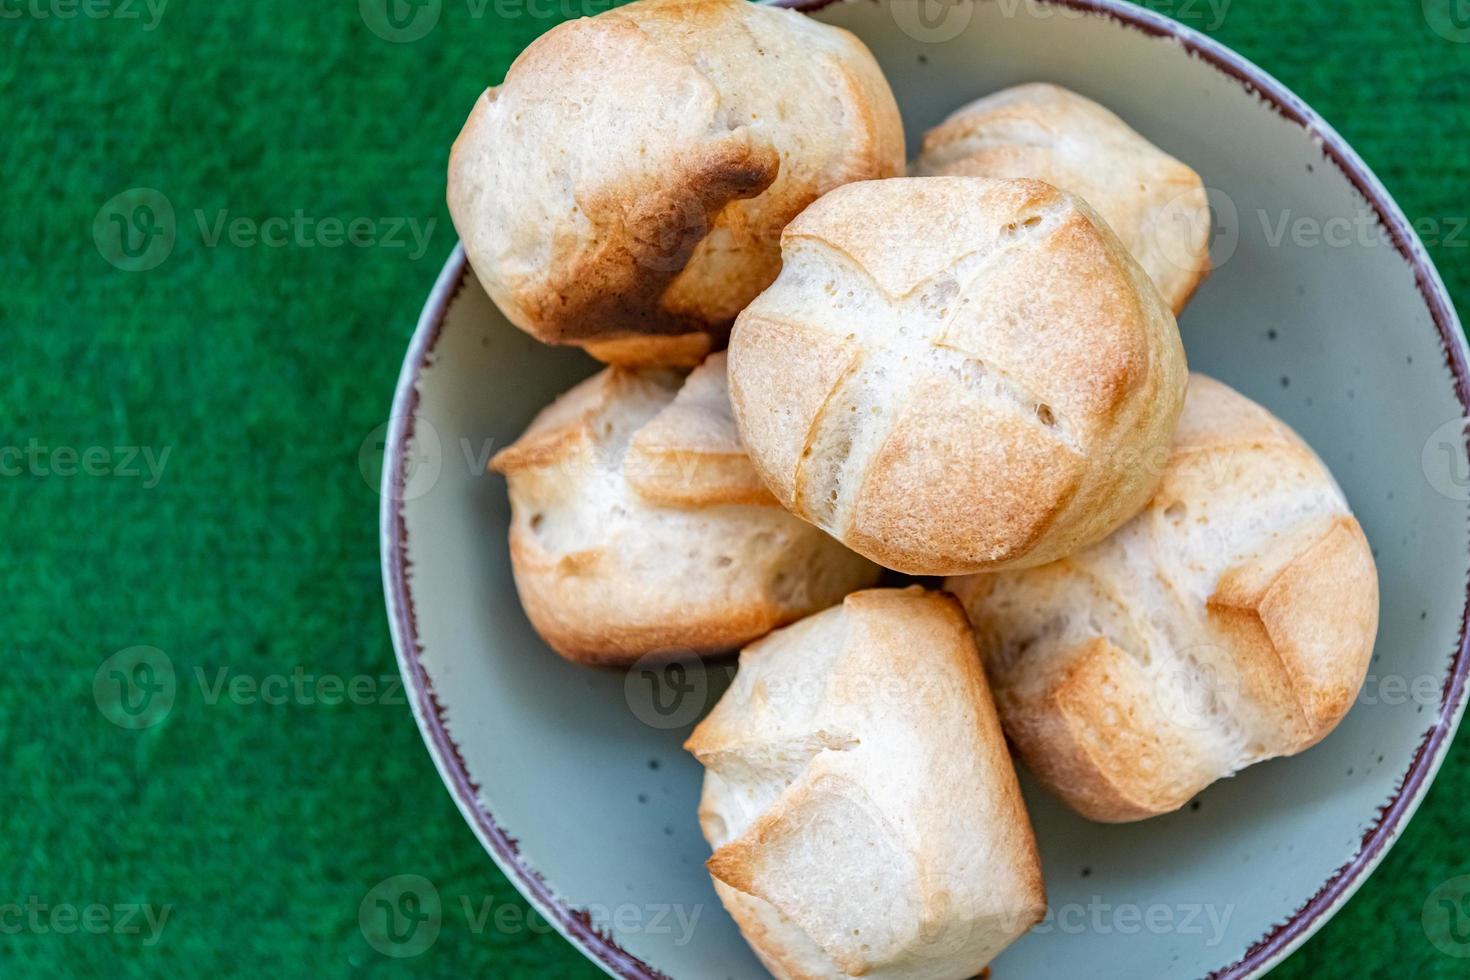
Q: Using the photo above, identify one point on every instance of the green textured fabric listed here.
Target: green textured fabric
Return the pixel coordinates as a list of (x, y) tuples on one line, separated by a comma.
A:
[(261, 368)]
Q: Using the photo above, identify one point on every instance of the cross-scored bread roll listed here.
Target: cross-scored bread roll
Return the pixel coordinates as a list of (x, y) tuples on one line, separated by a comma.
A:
[(1231, 621), (639, 527), (1155, 204), (860, 799), (631, 176), (956, 374)]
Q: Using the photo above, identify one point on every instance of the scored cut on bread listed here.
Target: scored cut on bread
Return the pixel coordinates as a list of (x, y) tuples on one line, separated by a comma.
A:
[(639, 527), (957, 374), (1230, 622), (1156, 204), (860, 800)]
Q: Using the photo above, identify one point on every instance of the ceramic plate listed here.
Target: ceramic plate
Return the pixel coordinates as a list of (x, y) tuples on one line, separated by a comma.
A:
[(1323, 307)]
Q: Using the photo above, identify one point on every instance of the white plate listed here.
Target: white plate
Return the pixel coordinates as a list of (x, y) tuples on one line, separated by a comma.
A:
[(1323, 307)]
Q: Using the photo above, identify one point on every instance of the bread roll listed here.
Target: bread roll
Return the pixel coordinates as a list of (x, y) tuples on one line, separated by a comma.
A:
[(632, 174), (1155, 204), (860, 800), (1231, 621), (956, 374), (638, 526), (685, 350)]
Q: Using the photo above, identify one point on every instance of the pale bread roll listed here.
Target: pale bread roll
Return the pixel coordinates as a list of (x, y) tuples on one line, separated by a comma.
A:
[(860, 800), (1155, 204), (632, 174), (1231, 621), (639, 527), (956, 374)]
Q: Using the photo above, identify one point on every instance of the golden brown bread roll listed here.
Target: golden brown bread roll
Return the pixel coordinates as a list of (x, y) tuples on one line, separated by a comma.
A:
[(631, 176), (956, 374), (860, 800), (683, 350), (639, 527), (1155, 204), (1231, 621)]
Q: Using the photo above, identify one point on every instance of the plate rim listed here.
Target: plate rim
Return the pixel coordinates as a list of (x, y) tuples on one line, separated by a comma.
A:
[(576, 925)]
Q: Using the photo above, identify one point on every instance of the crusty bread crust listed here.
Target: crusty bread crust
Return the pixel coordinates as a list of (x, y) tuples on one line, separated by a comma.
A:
[(956, 374), (690, 454), (860, 800), (1231, 621), (685, 350), (1156, 204), (632, 174), (639, 528)]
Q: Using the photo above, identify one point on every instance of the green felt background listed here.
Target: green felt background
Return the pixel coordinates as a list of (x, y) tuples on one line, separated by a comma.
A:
[(262, 370)]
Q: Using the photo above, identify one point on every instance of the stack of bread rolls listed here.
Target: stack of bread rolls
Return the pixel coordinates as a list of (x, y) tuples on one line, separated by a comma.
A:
[(972, 372)]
